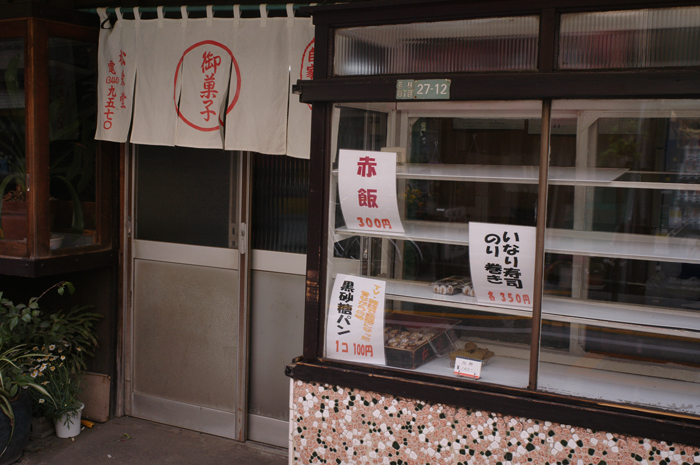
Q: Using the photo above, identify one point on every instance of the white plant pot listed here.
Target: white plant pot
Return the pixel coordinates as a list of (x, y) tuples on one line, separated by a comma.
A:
[(69, 429), (56, 241)]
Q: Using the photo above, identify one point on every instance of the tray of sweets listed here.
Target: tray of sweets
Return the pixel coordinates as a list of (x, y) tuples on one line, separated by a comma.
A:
[(412, 340)]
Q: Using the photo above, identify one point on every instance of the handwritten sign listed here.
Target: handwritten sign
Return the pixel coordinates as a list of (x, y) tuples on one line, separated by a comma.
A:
[(502, 262), (468, 367), (355, 321), (367, 189), (115, 99)]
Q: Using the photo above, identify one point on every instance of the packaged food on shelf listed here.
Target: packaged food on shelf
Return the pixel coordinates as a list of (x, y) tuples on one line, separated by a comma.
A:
[(472, 351), (468, 289), (453, 285), (413, 340)]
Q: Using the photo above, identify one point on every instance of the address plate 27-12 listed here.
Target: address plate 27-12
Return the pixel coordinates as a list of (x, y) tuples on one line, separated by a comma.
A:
[(424, 89)]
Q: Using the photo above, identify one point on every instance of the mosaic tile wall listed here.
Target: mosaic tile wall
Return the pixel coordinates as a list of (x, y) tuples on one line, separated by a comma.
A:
[(339, 426)]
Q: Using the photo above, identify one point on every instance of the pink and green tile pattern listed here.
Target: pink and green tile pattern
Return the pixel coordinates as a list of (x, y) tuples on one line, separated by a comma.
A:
[(337, 425)]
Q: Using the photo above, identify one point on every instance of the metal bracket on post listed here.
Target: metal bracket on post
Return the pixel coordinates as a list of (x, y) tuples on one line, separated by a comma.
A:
[(243, 242)]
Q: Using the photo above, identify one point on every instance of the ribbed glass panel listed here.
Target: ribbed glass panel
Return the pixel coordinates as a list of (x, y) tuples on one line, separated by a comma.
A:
[(630, 39), (280, 203), (494, 44)]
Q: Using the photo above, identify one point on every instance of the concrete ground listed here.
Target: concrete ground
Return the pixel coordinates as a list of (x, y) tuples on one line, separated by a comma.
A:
[(132, 441)]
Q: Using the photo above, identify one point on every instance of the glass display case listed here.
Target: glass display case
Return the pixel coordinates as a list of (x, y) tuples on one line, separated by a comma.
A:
[(55, 179), (620, 285)]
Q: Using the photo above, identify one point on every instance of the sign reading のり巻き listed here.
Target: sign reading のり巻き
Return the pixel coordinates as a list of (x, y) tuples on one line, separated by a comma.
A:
[(355, 322), (502, 263), (367, 190)]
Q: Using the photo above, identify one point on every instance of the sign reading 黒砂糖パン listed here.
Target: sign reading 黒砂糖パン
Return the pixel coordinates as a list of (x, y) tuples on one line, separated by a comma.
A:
[(355, 322)]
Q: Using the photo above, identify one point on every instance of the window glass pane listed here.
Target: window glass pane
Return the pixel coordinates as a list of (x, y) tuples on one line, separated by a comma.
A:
[(457, 166), (630, 39), (12, 137), (493, 44), (624, 267), (280, 203), (357, 130), (186, 196), (628, 366), (72, 119)]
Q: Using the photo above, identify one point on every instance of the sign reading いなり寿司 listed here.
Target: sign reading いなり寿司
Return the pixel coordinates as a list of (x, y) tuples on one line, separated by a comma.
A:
[(502, 263)]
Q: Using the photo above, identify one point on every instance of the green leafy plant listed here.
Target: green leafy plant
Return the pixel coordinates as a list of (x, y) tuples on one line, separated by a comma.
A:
[(70, 334), (15, 366)]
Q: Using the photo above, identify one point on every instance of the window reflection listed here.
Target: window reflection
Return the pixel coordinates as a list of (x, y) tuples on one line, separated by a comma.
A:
[(13, 188)]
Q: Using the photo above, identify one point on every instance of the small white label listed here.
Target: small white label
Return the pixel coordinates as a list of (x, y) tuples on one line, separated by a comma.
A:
[(468, 367)]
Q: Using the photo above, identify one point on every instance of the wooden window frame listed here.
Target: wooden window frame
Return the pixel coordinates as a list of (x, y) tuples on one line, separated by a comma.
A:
[(35, 24)]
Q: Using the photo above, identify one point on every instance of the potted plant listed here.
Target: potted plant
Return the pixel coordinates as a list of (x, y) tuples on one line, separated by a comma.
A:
[(58, 343), (15, 403), (63, 386)]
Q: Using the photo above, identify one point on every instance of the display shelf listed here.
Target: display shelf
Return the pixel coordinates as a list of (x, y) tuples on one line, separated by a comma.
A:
[(564, 241), (621, 245), (619, 316), (501, 370), (609, 315), (422, 293), (557, 175), (419, 231), (592, 383), (621, 178), (508, 174)]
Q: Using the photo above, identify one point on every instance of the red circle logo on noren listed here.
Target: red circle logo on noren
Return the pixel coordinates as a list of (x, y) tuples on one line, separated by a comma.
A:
[(208, 92)]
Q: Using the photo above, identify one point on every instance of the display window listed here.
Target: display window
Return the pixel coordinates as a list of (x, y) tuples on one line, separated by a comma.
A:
[(458, 164), (13, 159), (56, 189), (72, 146), (620, 282), (522, 239)]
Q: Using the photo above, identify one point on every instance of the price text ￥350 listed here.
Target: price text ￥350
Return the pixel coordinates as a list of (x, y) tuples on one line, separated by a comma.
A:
[(509, 297)]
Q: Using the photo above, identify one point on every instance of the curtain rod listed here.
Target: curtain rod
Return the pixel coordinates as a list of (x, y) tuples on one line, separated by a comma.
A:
[(197, 8)]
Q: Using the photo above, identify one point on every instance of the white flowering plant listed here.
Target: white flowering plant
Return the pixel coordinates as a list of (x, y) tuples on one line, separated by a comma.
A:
[(61, 388)]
